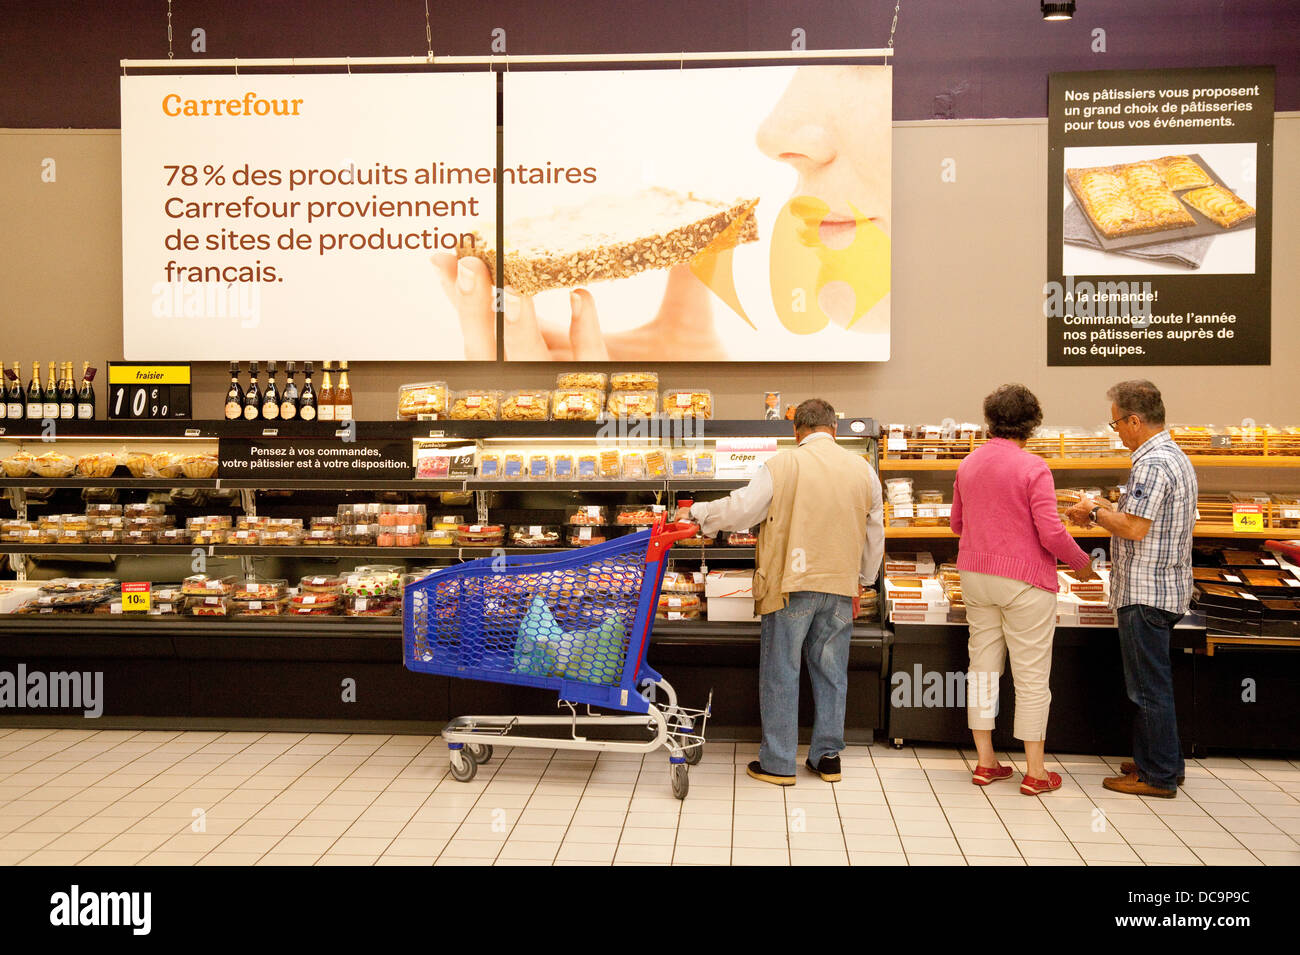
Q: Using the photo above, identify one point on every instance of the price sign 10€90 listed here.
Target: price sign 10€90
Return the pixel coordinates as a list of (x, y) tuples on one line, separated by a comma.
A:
[(144, 391)]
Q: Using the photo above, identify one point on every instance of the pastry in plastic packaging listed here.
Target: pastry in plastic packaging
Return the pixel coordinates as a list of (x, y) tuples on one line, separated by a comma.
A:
[(679, 464), (513, 467), (258, 607), (424, 399), (656, 464), (527, 405), (402, 515), (245, 536), (53, 465), (633, 466), (585, 536), (97, 465), (260, 588), (98, 510), (489, 466), (480, 535), (314, 601), (475, 405), (588, 466), (679, 601), (139, 464), (683, 582), (534, 535), (173, 535), (212, 605), (634, 381), (582, 379), (18, 464), (611, 463), (539, 467), (702, 464), (699, 540), (577, 404), (633, 404), (590, 515), (563, 467), (742, 539), (439, 538), (320, 584), (202, 585), (144, 510), (688, 404), (199, 466), (403, 535), (640, 515), (167, 464), (383, 606)]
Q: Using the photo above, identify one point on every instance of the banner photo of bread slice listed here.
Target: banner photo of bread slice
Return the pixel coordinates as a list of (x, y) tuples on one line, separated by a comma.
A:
[(707, 214)]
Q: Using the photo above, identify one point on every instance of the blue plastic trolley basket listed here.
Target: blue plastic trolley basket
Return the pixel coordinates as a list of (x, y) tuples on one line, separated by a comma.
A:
[(577, 623)]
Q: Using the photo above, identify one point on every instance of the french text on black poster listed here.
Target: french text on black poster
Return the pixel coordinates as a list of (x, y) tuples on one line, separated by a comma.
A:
[(1159, 217), (326, 460)]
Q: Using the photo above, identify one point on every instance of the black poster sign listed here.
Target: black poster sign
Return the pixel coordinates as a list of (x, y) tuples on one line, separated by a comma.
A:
[(1159, 217), (314, 459)]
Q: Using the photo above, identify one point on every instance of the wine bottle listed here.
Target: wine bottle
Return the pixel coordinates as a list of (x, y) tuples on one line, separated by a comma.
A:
[(16, 407), (271, 396), (51, 398), (253, 396), (4, 391), (234, 395), (289, 401), (307, 402), (68, 394), (325, 400), (35, 396), (343, 395), (86, 394)]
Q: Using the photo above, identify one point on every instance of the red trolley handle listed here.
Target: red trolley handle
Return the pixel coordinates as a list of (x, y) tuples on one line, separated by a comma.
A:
[(664, 535)]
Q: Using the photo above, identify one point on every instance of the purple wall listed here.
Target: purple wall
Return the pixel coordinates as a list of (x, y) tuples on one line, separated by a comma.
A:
[(956, 58)]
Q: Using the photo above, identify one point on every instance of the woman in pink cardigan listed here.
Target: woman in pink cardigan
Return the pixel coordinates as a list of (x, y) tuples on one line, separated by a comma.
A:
[(1004, 511)]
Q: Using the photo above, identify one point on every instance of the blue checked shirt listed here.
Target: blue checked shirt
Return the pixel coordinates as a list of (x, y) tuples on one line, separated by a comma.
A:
[(1157, 570)]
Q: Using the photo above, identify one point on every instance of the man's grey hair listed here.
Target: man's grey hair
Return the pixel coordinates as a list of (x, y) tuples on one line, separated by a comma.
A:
[(1139, 397), (812, 414)]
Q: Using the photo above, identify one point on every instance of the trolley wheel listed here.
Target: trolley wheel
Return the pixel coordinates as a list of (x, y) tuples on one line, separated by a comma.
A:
[(896, 744), (482, 752), (463, 766), (693, 752), (681, 780)]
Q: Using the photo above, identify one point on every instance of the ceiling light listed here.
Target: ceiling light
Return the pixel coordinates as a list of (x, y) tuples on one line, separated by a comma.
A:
[(1057, 11)]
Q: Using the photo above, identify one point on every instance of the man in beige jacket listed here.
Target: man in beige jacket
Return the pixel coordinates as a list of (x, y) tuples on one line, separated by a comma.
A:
[(822, 536)]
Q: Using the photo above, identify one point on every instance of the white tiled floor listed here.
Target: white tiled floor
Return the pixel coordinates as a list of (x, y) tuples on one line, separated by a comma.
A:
[(124, 798)]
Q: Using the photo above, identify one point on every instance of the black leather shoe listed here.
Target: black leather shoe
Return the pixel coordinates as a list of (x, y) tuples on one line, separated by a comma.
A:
[(828, 768), (758, 772)]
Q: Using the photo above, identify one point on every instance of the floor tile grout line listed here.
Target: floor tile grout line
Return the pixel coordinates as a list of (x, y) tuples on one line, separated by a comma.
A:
[(522, 810), (585, 783), (66, 771)]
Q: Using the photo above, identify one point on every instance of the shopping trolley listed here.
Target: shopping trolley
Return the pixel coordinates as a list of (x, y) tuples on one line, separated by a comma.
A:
[(577, 623)]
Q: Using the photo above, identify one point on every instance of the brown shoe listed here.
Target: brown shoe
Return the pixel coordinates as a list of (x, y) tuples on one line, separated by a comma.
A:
[(1133, 786), (1128, 768)]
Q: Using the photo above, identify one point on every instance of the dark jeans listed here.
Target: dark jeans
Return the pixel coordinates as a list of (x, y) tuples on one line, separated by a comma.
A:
[(1144, 634)]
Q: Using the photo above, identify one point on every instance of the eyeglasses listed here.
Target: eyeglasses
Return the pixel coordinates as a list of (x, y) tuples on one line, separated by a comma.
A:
[(1117, 421)]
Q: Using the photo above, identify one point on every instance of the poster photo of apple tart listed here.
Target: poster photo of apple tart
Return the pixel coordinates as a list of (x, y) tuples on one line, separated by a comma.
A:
[(1160, 199)]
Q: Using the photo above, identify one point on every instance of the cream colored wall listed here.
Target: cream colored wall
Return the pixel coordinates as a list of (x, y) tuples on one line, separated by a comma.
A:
[(969, 262)]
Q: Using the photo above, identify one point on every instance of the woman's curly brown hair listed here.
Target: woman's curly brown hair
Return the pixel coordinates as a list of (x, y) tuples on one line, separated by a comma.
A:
[(1012, 412)]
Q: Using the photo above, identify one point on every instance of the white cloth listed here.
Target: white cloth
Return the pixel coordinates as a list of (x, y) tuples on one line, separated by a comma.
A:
[(747, 507)]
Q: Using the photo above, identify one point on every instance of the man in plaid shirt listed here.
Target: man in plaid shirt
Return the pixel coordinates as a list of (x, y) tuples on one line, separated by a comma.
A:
[(1151, 580)]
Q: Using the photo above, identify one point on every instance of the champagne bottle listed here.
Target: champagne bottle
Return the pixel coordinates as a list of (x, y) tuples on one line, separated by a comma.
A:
[(35, 397), (51, 402), (307, 403), (343, 395), (289, 402), (68, 394), (253, 396), (270, 397), (234, 395), (4, 391), (86, 394), (325, 401), (15, 402)]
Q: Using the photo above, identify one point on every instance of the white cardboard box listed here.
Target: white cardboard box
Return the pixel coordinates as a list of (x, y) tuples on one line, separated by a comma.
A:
[(730, 595), (909, 565)]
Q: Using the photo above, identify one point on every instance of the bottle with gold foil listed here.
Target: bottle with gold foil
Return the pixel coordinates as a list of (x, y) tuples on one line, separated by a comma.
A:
[(15, 396), (35, 396), (51, 404), (67, 394), (325, 400), (86, 393), (343, 395)]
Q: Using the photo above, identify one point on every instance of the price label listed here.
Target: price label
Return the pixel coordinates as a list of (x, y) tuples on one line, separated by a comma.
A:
[(148, 391), (1247, 518), (136, 597), (896, 444)]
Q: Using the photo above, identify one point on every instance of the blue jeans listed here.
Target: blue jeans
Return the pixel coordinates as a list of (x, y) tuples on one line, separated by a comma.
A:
[(1144, 634), (818, 626)]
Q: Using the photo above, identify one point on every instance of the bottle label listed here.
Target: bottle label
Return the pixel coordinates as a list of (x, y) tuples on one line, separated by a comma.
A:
[(15, 409), (288, 410), (233, 410), (85, 411), (270, 411), (51, 410), (4, 411), (35, 412), (67, 410), (250, 412), (326, 412), (342, 412), (308, 413)]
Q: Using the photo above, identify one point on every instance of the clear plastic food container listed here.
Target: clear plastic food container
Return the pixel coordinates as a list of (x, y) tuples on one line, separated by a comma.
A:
[(640, 515), (588, 467), (680, 403), (478, 404), (258, 607), (260, 588), (320, 602), (97, 465), (480, 535), (633, 466), (172, 535), (209, 522), (403, 535), (742, 539), (211, 605), (529, 404), (446, 522), (425, 399), (679, 464), (402, 515), (382, 606), (320, 584), (320, 536), (144, 510), (591, 515), (167, 464), (53, 465), (439, 538), (585, 536), (534, 535), (199, 466), (577, 404), (702, 464), (582, 379), (140, 535), (103, 510), (202, 585), (610, 463), (244, 536), (656, 464), (358, 534), (513, 467), (634, 381), (564, 467), (633, 404), (539, 467), (18, 464)]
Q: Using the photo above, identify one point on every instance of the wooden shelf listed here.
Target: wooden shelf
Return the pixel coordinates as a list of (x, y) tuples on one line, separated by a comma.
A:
[(1214, 640)]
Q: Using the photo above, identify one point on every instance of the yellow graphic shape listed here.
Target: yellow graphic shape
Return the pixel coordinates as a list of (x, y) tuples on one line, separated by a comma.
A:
[(715, 266), (803, 265)]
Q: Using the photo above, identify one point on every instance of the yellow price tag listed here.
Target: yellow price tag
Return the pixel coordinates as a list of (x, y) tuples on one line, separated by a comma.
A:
[(1247, 519), (136, 597)]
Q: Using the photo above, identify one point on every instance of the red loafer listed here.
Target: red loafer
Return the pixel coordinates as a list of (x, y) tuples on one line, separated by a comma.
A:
[(983, 775), (1036, 787)]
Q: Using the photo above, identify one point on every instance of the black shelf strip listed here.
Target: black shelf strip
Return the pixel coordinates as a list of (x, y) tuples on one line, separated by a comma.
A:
[(361, 484), (299, 551)]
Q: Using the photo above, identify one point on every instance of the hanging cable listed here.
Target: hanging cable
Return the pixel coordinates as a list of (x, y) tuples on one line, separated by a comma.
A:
[(169, 29), (428, 32), (893, 27)]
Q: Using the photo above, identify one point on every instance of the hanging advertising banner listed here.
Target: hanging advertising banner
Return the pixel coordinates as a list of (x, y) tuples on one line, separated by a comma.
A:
[(728, 214), (1159, 212), (276, 215)]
